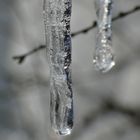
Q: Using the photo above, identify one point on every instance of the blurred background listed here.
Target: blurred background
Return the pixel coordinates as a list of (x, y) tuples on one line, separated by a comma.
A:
[(107, 106)]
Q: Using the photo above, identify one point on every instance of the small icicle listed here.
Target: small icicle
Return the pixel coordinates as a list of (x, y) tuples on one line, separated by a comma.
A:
[(57, 14), (103, 57)]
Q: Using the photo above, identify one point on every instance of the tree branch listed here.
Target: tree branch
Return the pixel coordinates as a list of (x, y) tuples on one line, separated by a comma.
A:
[(21, 58)]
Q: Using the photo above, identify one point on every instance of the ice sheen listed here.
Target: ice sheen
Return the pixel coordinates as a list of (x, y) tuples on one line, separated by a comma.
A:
[(57, 14), (103, 56)]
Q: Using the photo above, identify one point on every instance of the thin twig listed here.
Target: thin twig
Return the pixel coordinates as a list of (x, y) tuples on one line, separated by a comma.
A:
[(20, 58)]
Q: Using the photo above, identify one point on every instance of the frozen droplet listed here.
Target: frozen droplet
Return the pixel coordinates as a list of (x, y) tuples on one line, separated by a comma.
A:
[(64, 131), (103, 59)]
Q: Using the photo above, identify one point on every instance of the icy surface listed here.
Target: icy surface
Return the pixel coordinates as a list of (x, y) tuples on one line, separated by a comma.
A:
[(24, 89), (57, 15), (103, 57)]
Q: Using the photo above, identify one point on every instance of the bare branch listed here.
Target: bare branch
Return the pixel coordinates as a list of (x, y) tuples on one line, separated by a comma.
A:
[(21, 58)]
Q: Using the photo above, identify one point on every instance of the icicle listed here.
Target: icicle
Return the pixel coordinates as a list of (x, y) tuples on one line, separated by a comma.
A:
[(103, 56), (57, 14)]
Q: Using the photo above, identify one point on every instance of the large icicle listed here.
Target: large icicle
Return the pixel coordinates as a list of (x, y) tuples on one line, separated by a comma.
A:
[(103, 56), (57, 14)]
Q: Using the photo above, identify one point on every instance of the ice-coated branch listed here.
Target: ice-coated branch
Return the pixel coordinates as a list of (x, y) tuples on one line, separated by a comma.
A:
[(21, 58)]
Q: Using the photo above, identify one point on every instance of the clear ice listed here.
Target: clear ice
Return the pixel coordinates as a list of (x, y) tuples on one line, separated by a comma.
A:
[(103, 56), (57, 14)]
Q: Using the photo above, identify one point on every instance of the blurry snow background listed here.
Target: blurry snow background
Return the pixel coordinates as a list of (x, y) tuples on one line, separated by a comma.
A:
[(106, 106)]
